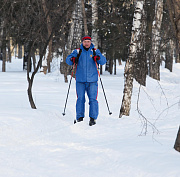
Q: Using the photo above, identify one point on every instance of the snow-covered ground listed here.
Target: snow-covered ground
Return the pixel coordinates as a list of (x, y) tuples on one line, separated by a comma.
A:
[(43, 143)]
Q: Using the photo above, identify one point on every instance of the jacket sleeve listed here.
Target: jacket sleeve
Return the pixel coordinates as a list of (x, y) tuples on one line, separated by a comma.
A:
[(73, 54), (102, 59)]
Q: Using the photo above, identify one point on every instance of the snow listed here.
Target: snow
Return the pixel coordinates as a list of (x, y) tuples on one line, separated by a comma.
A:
[(43, 143)]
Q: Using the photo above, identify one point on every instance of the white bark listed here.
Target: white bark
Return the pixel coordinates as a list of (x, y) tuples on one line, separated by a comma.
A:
[(75, 32), (128, 73), (94, 23), (84, 18), (78, 18), (140, 62)]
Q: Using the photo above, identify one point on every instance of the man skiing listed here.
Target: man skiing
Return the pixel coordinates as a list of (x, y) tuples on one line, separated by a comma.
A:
[(86, 59)]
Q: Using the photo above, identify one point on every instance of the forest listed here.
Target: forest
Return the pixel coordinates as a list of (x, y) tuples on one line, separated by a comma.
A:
[(142, 33)]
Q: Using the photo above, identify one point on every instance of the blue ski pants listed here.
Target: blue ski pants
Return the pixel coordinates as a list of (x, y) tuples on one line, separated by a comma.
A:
[(91, 88)]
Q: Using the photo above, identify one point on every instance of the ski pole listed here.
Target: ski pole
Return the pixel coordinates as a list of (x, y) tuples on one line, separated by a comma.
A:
[(68, 91), (103, 89)]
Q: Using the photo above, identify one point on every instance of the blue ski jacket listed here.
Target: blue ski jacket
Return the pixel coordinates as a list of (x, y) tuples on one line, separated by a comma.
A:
[(86, 68)]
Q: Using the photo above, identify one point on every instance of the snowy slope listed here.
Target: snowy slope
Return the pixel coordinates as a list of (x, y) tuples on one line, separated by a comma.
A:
[(43, 143)]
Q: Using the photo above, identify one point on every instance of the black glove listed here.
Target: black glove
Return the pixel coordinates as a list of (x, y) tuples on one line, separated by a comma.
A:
[(95, 58), (74, 60)]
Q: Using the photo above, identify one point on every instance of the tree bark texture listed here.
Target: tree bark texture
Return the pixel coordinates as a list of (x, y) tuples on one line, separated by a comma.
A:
[(74, 37), (9, 49), (177, 142), (154, 62), (65, 65), (47, 63), (4, 50), (94, 23), (30, 80), (84, 17), (169, 56), (64, 68), (174, 14), (129, 67), (77, 18), (140, 62)]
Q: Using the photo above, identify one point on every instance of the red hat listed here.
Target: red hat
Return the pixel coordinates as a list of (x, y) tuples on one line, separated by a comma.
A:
[(86, 38)]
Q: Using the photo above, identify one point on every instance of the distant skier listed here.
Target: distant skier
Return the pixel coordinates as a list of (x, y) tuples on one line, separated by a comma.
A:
[(86, 78)]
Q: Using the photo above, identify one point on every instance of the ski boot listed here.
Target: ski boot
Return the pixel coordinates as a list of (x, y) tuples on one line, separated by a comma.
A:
[(92, 121)]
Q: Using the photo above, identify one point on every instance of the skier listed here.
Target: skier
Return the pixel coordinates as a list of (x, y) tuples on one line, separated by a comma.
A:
[(86, 59)]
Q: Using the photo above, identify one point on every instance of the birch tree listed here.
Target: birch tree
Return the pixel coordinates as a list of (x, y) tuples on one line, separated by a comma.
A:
[(84, 17), (77, 18), (94, 23), (74, 36), (129, 67), (140, 63), (64, 68), (154, 63)]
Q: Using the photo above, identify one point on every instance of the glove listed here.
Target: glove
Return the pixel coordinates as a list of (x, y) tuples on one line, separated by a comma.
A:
[(74, 60), (95, 58)]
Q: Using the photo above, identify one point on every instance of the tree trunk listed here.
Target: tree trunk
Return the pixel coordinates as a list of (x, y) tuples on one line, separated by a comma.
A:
[(4, 50), (4, 59), (64, 68), (34, 60), (19, 51), (74, 37), (9, 49), (177, 142), (114, 61), (140, 62), (77, 18), (154, 62), (169, 56), (174, 13), (94, 23), (31, 101), (129, 68), (111, 65), (42, 52), (65, 65), (114, 66), (47, 63), (30, 80), (84, 17), (49, 57)]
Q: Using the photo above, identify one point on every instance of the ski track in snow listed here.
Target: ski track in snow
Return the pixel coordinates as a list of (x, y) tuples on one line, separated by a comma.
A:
[(44, 143)]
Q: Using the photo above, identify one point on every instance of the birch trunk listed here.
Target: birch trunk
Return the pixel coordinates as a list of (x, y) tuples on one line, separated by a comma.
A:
[(94, 23), (140, 63), (128, 73), (154, 62), (74, 37), (77, 25), (84, 18)]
